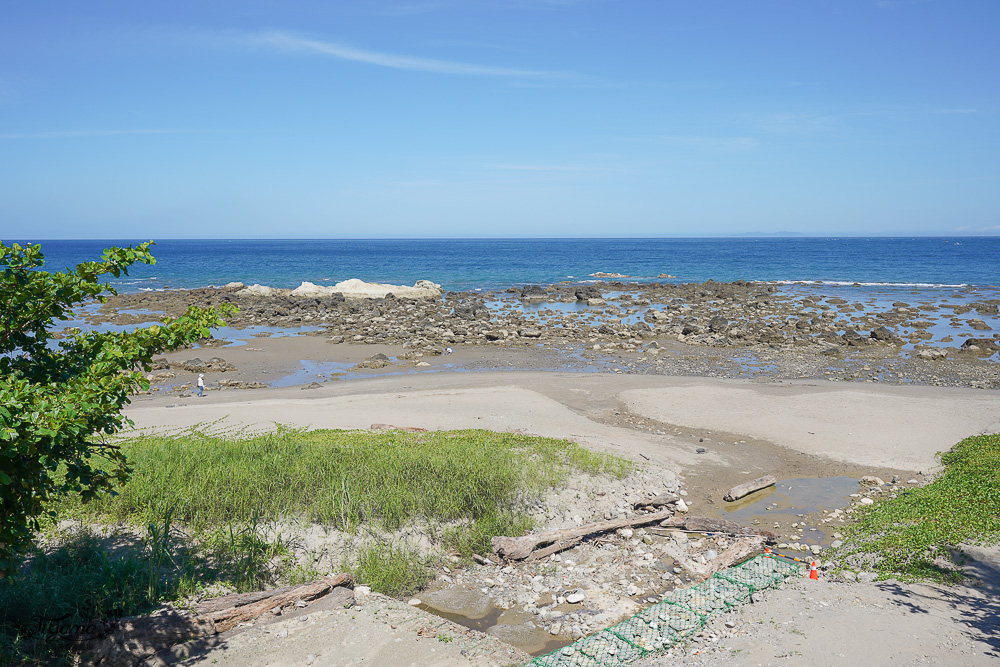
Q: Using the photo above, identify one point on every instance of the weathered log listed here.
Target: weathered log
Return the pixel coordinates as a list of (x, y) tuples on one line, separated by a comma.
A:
[(658, 501), (747, 488), (741, 550), (702, 524), (554, 548), (230, 610), (519, 548)]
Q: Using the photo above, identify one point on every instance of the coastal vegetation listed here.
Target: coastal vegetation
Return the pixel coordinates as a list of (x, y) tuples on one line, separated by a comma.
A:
[(919, 534), (204, 513), (60, 399)]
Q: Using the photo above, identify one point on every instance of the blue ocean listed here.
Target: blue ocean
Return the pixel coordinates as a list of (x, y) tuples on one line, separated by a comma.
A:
[(485, 264)]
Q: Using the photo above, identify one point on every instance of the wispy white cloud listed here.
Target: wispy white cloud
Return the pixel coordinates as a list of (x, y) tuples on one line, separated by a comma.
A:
[(63, 134), (288, 42)]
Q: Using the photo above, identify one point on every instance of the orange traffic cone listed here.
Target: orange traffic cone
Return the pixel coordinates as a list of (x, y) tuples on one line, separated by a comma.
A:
[(813, 574)]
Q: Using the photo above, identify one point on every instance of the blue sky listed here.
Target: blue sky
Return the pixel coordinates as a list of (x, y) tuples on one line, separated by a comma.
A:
[(437, 118)]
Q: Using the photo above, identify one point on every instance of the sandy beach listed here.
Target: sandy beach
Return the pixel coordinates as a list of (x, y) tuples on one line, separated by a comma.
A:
[(710, 433)]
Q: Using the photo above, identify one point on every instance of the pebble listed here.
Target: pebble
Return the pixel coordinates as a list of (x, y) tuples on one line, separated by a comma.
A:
[(414, 602), (574, 598)]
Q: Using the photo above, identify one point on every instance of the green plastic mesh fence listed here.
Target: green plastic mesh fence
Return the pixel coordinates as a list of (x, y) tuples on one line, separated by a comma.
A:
[(679, 615)]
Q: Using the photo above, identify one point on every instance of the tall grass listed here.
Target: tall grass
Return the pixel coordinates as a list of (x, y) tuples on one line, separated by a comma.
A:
[(205, 507), (344, 478)]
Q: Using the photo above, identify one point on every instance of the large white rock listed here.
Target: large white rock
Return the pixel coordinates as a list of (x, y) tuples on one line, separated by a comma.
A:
[(311, 289), (258, 290), (359, 289)]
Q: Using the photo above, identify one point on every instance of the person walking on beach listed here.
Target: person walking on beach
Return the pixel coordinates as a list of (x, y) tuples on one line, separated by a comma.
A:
[(201, 385)]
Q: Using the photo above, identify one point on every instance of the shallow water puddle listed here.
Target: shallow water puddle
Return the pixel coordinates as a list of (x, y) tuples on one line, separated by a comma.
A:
[(479, 613), (789, 500)]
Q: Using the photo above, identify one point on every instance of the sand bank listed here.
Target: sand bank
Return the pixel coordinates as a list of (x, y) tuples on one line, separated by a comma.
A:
[(887, 427)]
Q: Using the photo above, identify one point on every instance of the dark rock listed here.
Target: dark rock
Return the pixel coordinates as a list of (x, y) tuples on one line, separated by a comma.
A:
[(885, 335), (588, 292), (984, 345), (854, 339), (718, 324), (987, 308), (532, 292)]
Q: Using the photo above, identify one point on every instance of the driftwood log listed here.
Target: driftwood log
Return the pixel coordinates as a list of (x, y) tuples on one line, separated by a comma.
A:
[(519, 548), (230, 610), (746, 488), (702, 524), (657, 501), (740, 550)]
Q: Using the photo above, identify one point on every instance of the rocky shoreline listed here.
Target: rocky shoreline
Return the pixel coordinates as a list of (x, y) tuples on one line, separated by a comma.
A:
[(739, 329)]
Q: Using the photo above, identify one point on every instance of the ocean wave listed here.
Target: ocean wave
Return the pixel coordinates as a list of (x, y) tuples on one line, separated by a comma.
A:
[(851, 283)]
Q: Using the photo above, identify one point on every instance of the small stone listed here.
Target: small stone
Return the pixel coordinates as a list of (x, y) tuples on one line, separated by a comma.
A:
[(867, 501), (414, 602), (362, 590), (575, 598)]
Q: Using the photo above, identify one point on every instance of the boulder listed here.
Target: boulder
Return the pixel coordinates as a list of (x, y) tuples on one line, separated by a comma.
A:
[(258, 290), (718, 324), (885, 335), (983, 345), (532, 292), (854, 339), (588, 292), (359, 289)]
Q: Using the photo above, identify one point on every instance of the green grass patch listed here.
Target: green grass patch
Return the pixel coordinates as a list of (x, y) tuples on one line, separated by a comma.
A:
[(907, 536), (203, 509), (391, 569), (343, 478)]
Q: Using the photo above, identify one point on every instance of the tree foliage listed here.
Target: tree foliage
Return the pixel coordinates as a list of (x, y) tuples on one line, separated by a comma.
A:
[(60, 399)]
